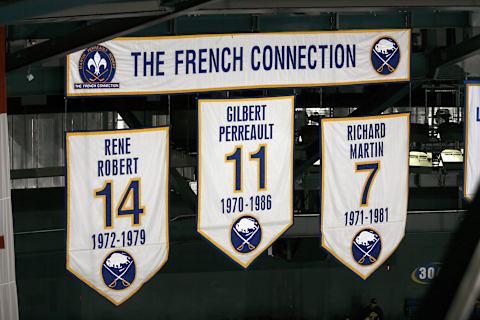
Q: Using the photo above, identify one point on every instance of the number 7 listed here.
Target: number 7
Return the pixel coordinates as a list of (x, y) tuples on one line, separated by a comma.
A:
[(373, 167)]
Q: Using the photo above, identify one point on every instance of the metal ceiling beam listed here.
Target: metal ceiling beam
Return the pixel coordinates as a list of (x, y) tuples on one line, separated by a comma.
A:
[(228, 7), (131, 119), (12, 11), (312, 150), (453, 54), (436, 59), (37, 172), (101, 11), (177, 181), (95, 33), (272, 19), (388, 98), (347, 5), (374, 103), (181, 185), (385, 100)]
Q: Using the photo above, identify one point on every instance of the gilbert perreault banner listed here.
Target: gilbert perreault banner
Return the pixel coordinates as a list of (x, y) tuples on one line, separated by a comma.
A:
[(245, 173)]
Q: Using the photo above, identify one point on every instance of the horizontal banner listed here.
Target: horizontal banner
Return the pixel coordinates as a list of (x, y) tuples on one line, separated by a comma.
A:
[(164, 65)]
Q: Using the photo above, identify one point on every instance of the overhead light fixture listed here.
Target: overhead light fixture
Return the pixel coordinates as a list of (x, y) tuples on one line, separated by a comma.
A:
[(30, 77)]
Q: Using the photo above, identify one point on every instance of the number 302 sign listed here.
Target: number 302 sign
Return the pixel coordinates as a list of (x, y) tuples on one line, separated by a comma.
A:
[(426, 273), (245, 173)]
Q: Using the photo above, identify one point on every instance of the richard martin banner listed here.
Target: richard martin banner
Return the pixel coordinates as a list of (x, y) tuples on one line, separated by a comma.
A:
[(364, 188)]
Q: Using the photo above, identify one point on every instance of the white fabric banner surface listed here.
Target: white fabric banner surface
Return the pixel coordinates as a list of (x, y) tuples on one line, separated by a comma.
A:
[(472, 140), (117, 208), (364, 188), (245, 182), (176, 64), (8, 286)]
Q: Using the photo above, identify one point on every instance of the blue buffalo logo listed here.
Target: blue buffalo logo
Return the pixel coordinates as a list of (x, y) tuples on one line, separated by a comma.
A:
[(385, 56), (366, 247), (246, 234), (118, 270)]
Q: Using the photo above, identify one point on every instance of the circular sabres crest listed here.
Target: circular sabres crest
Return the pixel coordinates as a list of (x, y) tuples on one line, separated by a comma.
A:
[(118, 270), (246, 234), (97, 64), (385, 55), (366, 247)]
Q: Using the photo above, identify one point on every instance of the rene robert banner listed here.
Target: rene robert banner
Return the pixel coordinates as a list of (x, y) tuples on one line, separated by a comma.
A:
[(117, 202), (472, 140), (176, 64), (364, 188), (245, 179)]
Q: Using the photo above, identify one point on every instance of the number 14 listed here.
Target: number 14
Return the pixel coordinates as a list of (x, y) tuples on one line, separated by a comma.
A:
[(131, 195)]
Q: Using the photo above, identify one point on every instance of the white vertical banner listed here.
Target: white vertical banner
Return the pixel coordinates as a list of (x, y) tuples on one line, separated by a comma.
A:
[(117, 208), (364, 188), (245, 186), (8, 286), (472, 140)]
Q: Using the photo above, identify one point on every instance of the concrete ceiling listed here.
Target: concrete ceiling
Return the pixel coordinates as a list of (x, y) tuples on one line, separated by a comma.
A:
[(28, 11)]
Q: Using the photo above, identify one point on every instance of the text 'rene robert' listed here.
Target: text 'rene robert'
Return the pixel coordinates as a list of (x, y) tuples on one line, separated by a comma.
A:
[(117, 162)]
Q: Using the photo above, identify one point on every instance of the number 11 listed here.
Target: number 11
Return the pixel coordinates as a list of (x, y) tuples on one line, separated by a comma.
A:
[(259, 155)]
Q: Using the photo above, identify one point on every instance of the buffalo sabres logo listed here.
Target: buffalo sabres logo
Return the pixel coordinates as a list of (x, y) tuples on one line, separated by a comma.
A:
[(385, 55), (97, 68), (246, 234), (366, 247), (118, 270)]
